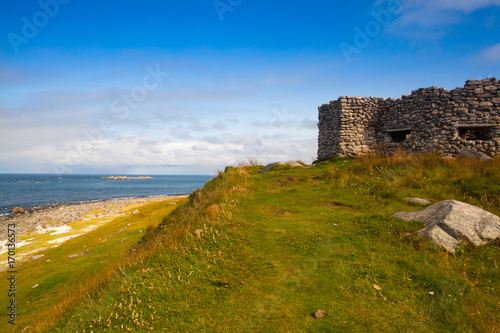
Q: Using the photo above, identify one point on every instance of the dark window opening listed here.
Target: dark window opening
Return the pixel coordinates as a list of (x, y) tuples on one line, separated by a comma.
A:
[(399, 136), (475, 133)]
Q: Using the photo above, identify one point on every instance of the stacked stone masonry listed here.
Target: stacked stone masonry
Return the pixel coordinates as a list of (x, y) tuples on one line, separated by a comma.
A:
[(427, 120)]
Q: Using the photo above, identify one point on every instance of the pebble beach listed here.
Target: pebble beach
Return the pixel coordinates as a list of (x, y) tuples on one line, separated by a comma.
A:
[(38, 221)]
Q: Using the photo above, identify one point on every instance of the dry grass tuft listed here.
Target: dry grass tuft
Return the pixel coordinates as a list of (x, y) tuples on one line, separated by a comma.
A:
[(213, 211)]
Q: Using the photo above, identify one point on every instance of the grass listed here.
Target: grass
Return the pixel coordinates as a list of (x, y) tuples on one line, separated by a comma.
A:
[(62, 282), (254, 252)]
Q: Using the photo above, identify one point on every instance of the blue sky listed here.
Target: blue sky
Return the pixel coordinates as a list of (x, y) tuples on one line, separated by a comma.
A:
[(188, 87)]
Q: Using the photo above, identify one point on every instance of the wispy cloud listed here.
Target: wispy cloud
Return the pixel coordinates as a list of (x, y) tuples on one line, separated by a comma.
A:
[(179, 132), (465, 6), (430, 19), (9, 76), (491, 54), (219, 125), (308, 123)]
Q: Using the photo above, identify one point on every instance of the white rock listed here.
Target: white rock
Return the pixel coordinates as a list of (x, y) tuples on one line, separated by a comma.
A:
[(290, 163), (419, 201), (475, 154), (450, 223)]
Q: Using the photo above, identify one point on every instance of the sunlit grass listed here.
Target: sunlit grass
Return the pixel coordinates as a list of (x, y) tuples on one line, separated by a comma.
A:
[(262, 252), (62, 282), (254, 252)]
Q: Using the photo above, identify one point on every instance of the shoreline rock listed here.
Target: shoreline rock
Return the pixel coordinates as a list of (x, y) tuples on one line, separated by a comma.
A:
[(18, 210), (59, 215)]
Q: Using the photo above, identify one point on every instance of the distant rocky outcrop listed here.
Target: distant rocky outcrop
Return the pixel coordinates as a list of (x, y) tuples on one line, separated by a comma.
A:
[(451, 223), (125, 177)]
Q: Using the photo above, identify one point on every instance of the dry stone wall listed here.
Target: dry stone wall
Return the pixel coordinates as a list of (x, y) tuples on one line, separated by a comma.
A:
[(427, 120)]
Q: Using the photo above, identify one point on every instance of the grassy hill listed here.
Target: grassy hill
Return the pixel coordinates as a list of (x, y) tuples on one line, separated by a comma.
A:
[(254, 252), (48, 287)]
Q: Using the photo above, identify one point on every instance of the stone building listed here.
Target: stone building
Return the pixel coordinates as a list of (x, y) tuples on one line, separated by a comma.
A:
[(427, 120)]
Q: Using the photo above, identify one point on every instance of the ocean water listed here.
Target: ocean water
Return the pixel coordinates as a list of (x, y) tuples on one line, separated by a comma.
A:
[(36, 190)]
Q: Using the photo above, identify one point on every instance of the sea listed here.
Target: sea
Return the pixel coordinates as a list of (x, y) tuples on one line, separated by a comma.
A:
[(40, 190)]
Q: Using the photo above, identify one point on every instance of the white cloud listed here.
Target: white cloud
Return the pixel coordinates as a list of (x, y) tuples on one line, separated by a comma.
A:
[(219, 125), (179, 132), (429, 19), (465, 6), (491, 54), (208, 120), (308, 123), (197, 126), (135, 152)]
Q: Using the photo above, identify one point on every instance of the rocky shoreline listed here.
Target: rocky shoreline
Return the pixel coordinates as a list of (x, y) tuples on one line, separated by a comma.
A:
[(31, 221)]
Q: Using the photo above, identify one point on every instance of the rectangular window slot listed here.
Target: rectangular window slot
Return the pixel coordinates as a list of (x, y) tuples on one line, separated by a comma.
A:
[(475, 132), (399, 135)]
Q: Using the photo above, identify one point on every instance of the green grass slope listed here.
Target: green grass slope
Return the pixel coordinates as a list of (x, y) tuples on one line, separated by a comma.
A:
[(48, 287), (261, 253)]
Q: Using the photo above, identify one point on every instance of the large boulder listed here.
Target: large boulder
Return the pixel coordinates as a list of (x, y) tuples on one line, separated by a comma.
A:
[(290, 163), (450, 223), (474, 154)]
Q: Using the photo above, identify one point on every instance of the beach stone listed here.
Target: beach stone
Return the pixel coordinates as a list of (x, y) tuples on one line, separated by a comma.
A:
[(46, 218), (18, 210), (319, 314), (418, 201), (451, 223)]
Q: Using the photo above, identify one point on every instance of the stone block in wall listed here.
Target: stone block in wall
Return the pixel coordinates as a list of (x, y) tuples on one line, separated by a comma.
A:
[(485, 104)]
